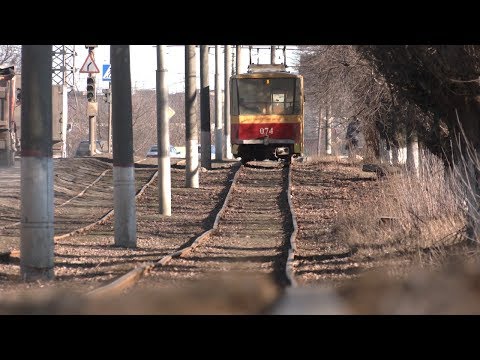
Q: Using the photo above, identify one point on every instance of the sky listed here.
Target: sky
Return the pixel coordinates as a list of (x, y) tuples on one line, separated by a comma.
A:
[(143, 64)]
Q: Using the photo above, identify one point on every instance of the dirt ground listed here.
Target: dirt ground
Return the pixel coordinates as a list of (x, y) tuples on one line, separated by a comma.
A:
[(322, 193)]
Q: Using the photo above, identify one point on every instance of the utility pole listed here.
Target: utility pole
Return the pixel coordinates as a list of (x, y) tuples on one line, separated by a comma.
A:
[(63, 65), (205, 135), (226, 104), (272, 54), (110, 118), (108, 100), (36, 238), (218, 108), (63, 75), (238, 58), (92, 103), (123, 167), (191, 129), (163, 138)]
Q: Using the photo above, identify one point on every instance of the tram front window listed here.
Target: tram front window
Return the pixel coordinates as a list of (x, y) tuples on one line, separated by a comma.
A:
[(278, 96)]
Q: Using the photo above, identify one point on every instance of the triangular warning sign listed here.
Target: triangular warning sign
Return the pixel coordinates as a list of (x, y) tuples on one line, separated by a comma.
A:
[(89, 66), (170, 112)]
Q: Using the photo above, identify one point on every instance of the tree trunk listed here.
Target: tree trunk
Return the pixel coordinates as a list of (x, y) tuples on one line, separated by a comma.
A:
[(328, 132), (412, 146), (319, 139), (385, 151), (395, 149), (421, 156)]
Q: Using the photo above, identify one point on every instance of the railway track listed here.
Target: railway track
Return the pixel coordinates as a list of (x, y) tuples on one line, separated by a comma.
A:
[(249, 228), (84, 249), (253, 232), (70, 184), (83, 197)]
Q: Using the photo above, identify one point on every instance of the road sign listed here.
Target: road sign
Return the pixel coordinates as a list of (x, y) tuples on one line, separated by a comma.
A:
[(170, 112), (107, 72), (89, 66)]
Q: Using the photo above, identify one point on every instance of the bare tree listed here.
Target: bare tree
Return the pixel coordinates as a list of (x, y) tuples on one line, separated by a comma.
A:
[(338, 77), (442, 80), (10, 55), (144, 120), (354, 86)]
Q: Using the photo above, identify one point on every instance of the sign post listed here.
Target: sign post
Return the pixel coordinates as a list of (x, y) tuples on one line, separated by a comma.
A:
[(89, 67)]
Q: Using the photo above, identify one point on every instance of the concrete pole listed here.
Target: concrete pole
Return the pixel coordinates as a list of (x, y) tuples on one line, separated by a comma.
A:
[(205, 135), (191, 129), (238, 59), (218, 108), (272, 54), (328, 132), (64, 119), (123, 167), (226, 105), (163, 138), (36, 233)]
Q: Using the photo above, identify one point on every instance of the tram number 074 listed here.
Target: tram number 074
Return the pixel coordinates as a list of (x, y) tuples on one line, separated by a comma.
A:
[(266, 131)]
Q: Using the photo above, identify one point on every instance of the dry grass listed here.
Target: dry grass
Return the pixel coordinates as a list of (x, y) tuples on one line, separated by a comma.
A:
[(452, 289), (466, 172), (332, 159), (417, 219)]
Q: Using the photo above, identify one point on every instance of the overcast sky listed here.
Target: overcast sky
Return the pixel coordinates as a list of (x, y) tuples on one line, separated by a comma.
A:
[(143, 62)]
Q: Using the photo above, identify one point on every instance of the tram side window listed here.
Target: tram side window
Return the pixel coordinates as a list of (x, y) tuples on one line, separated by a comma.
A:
[(234, 98)]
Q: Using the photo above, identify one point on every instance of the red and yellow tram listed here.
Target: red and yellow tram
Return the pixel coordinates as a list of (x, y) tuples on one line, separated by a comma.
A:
[(267, 115)]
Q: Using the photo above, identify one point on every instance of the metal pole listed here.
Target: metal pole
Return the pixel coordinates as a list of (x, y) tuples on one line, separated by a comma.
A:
[(123, 167), (163, 139), (191, 126), (238, 58), (109, 94), (92, 119), (272, 54), (36, 238), (226, 106), (205, 135), (218, 108)]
